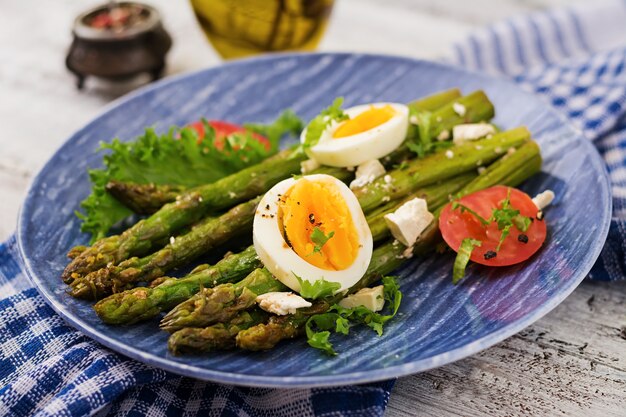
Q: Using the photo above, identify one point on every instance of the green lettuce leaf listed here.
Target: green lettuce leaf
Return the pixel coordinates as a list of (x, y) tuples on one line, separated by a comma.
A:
[(175, 158)]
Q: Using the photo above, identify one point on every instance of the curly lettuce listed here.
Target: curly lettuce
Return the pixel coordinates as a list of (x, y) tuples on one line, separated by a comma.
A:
[(177, 157)]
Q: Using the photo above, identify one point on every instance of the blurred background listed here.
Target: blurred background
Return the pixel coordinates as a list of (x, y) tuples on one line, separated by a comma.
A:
[(40, 104)]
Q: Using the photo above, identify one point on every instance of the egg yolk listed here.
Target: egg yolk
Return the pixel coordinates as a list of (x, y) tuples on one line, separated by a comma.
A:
[(369, 119), (309, 205)]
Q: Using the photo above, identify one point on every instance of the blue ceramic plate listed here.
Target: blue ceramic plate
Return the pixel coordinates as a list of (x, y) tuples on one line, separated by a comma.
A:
[(438, 323)]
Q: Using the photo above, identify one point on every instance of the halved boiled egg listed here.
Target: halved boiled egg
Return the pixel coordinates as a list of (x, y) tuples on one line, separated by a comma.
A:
[(312, 227), (371, 132)]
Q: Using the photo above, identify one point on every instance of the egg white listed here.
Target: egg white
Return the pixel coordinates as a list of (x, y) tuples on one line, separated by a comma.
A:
[(356, 149), (283, 262)]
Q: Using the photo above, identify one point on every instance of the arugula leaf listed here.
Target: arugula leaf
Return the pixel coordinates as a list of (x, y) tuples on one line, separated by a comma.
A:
[(322, 121), (339, 319), (318, 289), (174, 157), (319, 238), (462, 258), (464, 208)]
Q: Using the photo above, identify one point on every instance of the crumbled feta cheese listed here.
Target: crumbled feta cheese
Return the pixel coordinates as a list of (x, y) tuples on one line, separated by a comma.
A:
[(281, 303), (409, 221), (449, 154), (459, 109), (386, 199), (367, 172), (543, 200), (498, 149), (308, 166), (172, 240), (510, 151), (388, 179), (444, 135), (371, 298), (471, 131), (481, 170), (413, 120)]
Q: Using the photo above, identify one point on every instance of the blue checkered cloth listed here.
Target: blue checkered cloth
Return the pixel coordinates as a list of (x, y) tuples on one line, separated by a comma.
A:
[(575, 58)]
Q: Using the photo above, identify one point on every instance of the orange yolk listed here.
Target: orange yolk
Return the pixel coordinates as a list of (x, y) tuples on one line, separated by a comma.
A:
[(369, 119), (310, 204)]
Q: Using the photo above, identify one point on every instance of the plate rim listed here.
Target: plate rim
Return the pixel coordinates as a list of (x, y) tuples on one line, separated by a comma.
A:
[(350, 378)]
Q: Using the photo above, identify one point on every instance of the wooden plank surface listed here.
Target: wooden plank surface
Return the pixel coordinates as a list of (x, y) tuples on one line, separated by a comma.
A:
[(571, 362)]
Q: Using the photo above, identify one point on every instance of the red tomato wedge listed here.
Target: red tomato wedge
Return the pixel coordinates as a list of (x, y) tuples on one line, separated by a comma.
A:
[(457, 224), (224, 129)]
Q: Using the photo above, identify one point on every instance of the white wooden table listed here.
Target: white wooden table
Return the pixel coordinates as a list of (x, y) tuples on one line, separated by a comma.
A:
[(571, 362)]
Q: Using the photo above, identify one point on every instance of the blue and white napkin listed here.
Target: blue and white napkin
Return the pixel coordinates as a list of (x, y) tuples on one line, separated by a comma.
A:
[(575, 58)]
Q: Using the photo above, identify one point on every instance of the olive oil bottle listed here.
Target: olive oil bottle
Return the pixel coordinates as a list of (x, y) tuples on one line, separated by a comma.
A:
[(238, 28)]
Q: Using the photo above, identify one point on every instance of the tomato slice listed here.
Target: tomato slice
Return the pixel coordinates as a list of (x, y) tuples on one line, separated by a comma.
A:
[(456, 225), (224, 129)]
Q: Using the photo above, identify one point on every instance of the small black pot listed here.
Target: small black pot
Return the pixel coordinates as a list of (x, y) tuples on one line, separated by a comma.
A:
[(118, 55)]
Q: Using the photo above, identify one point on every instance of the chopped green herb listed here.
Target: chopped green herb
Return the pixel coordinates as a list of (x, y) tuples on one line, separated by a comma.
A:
[(505, 232), (319, 289), (456, 205), (419, 139), (319, 238), (522, 222), (506, 217), (462, 258), (322, 121), (340, 319)]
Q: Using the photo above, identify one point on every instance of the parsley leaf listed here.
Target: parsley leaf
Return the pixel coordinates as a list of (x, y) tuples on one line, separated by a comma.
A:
[(419, 138), (339, 319), (521, 222), (322, 121), (505, 232), (464, 208), (319, 238), (318, 289), (319, 340), (462, 258), (506, 217)]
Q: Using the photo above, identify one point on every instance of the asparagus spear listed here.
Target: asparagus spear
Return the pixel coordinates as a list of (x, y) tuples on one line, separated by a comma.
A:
[(476, 108), (143, 198), (220, 336), (206, 235), (439, 166), (221, 303), (512, 170), (189, 208), (142, 303), (437, 100)]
